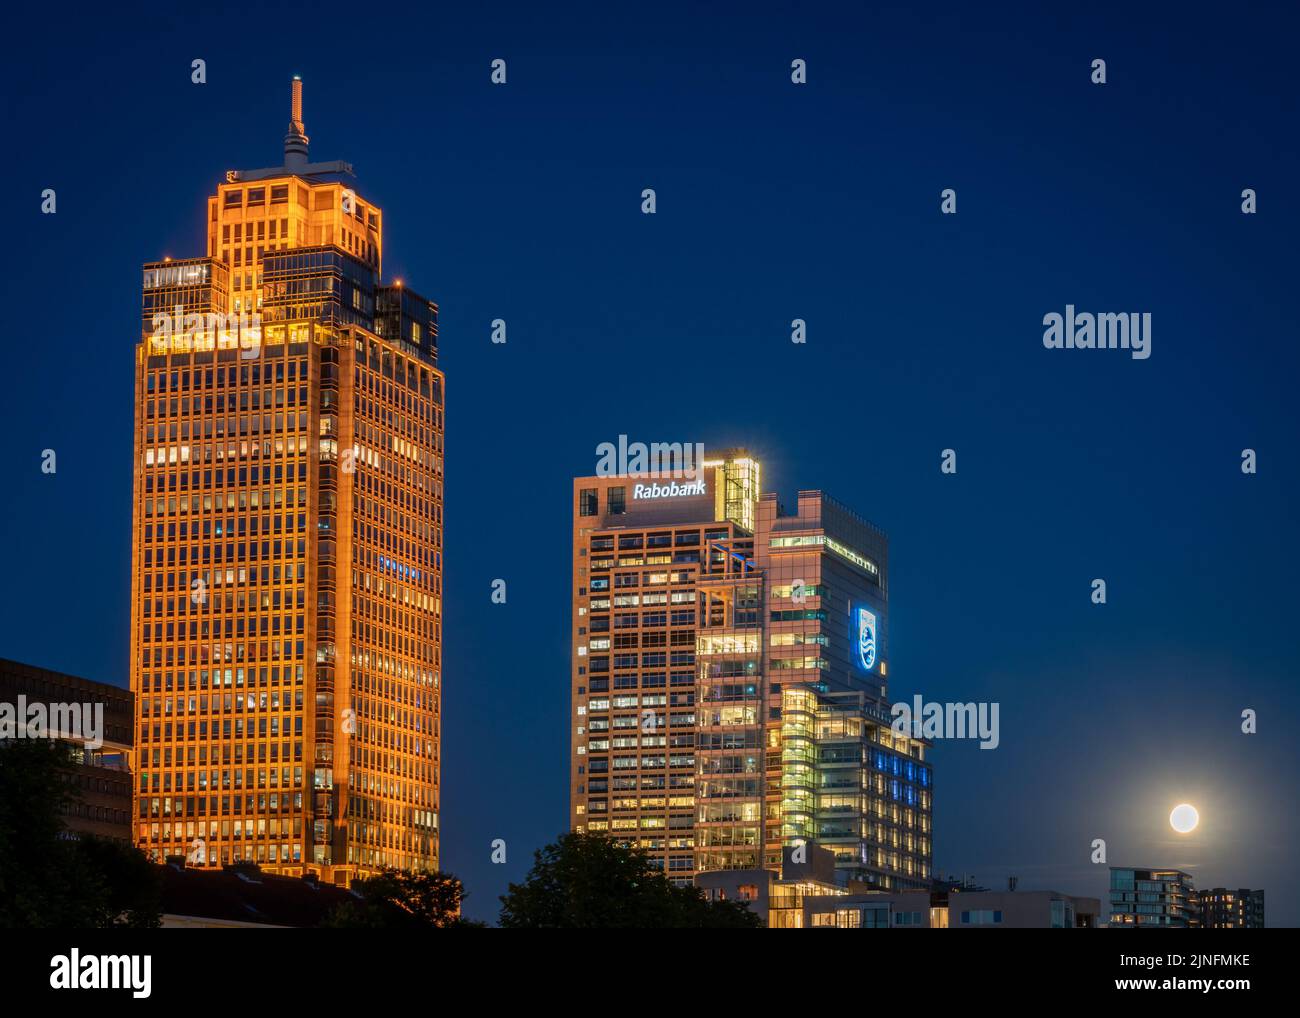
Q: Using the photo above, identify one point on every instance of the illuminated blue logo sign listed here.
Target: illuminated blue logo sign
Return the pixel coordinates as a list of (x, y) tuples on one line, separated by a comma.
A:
[(867, 638)]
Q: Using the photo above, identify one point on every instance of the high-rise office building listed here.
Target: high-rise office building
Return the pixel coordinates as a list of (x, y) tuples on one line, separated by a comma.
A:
[(848, 782), (1152, 898), (729, 680), (1227, 908), (287, 534), (639, 560)]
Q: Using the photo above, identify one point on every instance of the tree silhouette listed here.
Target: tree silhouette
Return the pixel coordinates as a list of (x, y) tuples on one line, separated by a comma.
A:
[(396, 899), (48, 879), (587, 880)]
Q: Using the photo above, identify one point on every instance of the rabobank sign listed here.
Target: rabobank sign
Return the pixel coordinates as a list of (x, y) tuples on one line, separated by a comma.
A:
[(671, 489)]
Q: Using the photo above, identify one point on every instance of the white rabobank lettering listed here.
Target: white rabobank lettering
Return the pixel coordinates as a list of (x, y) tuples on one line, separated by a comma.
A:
[(670, 490)]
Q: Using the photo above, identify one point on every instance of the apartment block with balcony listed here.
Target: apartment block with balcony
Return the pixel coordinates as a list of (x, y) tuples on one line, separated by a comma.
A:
[(1227, 908), (1155, 898)]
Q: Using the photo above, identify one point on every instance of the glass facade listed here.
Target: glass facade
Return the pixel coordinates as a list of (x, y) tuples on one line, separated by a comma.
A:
[(721, 712), (1152, 898), (287, 552)]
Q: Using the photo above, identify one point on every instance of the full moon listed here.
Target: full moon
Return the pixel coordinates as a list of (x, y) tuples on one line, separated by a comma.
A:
[(1184, 818)]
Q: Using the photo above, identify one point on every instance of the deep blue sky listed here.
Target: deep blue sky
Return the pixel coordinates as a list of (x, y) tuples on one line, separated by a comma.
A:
[(775, 202)]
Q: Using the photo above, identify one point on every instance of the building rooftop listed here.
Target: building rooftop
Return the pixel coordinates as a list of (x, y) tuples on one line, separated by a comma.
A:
[(238, 894), (295, 150)]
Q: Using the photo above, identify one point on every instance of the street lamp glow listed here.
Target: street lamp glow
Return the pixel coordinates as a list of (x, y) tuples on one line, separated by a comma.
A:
[(1184, 818)]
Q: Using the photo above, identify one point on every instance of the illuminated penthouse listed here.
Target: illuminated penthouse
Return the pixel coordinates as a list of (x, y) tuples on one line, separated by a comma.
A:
[(287, 538), (728, 687)]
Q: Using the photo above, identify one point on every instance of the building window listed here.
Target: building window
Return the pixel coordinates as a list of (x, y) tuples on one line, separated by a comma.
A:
[(589, 505), (617, 500)]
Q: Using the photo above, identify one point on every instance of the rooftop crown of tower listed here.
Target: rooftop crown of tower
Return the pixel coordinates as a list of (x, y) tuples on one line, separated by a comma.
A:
[(295, 150)]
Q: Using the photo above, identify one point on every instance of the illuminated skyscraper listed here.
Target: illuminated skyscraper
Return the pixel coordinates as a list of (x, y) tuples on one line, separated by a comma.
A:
[(287, 538), (642, 563), (729, 681), (838, 774)]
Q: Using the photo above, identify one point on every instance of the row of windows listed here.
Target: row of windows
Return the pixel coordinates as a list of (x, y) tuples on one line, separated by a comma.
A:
[(237, 728), (216, 678), (185, 380), (224, 527), (236, 232), (605, 542), (203, 780), (212, 780), (636, 600), (225, 402), (103, 814), (279, 449), (235, 198), (196, 654), (317, 200), (244, 500), (646, 620), (677, 558)]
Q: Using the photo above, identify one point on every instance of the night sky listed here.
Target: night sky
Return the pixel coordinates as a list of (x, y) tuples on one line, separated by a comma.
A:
[(775, 202)]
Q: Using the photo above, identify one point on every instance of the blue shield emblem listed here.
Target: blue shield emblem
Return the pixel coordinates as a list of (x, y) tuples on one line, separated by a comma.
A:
[(867, 638)]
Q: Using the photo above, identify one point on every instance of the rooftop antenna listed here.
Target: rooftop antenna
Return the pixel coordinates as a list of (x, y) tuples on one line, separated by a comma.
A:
[(295, 142), (295, 150)]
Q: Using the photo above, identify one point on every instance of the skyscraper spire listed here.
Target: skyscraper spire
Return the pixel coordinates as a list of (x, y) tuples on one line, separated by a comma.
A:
[(295, 142), (295, 150), (329, 773)]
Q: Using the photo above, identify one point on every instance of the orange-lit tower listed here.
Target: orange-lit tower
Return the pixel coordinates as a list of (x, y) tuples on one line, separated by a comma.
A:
[(287, 538)]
